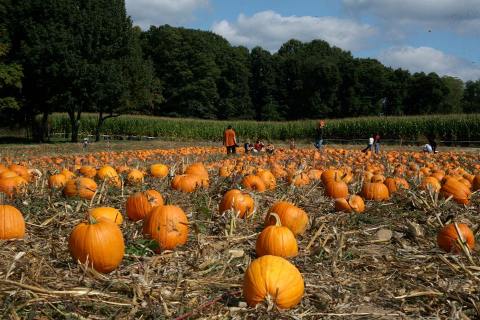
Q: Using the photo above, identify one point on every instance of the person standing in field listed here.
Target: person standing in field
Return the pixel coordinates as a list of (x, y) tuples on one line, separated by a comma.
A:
[(319, 134), (377, 143), (230, 140), (369, 145)]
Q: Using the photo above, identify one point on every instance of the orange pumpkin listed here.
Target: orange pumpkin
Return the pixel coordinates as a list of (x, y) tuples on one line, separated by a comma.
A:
[(186, 182), (57, 181), (100, 242), (82, 187), (240, 202), (291, 217), (275, 279), (459, 191), (354, 203), (109, 213), (375, 191), (138, 207), (447, 237), (159, 170), (12, 224), (336, 189), (154, 197), (253, 182), (135, 176), (268, 179), (432, 183), (277, 240), (168, 225), (88, 171), (110, 175)]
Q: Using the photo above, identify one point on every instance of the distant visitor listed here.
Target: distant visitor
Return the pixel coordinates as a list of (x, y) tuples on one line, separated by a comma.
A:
[(230, 140)]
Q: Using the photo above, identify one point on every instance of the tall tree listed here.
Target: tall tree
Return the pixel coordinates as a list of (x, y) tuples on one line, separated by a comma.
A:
[(471, 97), (453, 100)]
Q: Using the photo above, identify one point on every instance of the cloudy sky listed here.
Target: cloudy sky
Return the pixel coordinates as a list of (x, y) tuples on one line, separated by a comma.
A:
[(419, 35)]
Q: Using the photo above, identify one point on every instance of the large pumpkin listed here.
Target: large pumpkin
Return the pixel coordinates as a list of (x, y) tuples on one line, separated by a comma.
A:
[(375, 191), (275, 279), (168, 225), (291, 217), (138, 207), (239, 201), (430, 183), (12, 224), (88, 171), (21, 171), (447, 237), (459, 191), (276, 240), (100, 242), (187, 182), (268, 179), (83, 187), (336, 189)]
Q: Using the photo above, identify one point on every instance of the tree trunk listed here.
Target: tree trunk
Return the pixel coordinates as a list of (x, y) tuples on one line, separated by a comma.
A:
[(101, 119), (45, 134), (75, 123)]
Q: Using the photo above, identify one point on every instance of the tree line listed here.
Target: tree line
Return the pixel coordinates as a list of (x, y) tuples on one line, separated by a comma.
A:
[(78, 56)]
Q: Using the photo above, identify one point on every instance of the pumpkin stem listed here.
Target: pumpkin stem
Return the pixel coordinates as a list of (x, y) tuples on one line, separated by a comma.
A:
[(91, 219), (278, 221)]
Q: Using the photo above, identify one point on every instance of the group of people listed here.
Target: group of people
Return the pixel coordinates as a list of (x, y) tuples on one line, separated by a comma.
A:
[(230, 142)]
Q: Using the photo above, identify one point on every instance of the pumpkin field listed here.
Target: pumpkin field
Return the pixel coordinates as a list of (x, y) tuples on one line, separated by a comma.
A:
[(191, 233)]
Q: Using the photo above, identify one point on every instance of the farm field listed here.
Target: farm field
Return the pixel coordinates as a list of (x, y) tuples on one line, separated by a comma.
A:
[(382, 263)]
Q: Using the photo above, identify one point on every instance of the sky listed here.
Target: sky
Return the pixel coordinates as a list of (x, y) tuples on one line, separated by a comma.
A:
[(441, 36)]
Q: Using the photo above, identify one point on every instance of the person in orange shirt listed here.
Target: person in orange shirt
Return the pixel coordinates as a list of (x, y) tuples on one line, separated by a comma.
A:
[(230, 140)]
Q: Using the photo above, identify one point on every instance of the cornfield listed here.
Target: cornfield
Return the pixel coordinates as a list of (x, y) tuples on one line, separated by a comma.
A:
[(412, 129)]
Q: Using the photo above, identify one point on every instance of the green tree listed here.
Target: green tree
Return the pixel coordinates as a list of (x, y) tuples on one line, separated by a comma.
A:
[(471, 97), (453, 100), (426, 92)]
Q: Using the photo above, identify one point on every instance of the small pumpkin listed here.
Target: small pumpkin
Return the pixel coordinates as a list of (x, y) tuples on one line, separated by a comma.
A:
[(159, 170), (239, 201), (336, 189), (447, 237), (135, 177), (432, 183), (168, 226), (154, 197), (277, 240), (253, 182), (88, 171), (12, 224), (268, 179), (291, 217), (275, 279), (109, 213), (57, 181), (110, 175), (354, 203), (100, 242)]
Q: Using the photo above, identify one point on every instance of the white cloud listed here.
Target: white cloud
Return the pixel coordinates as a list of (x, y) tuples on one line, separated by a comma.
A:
[(158, 12), (428, 59), (270, 30), (459, 15)]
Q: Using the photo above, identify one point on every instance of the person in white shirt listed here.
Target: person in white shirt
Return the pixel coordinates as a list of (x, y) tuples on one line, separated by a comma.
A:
[(427, 148), (370, 144)]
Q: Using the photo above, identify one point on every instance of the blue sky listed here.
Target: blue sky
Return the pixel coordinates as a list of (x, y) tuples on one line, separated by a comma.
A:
[(442, 36)]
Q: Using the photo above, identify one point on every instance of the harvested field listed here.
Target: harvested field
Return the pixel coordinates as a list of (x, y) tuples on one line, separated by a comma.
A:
[(383, 263)]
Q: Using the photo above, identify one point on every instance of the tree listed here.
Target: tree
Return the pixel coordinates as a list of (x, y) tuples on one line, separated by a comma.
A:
[(471, 97), (426, 92), (453, 100)]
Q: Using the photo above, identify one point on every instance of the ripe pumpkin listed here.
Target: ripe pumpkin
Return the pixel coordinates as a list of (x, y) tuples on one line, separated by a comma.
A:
[(336, 189), (459, 191), (134, 177), (354, 203), (154, 197), (100, 242), (168, 225), (268, 179), (331, 175), (109, 213), (430, 182), (187, 182), (12, 224), (253, 182), (21, 171), (68, 174), (375, 191), (57, 181), (275, 279), (277, 240), (447, 237), (291, 217), (12, 185), (298, 180), (83, 187), (110, 175), (239, 201), (159, 170), (88, 171), (138, 207)]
